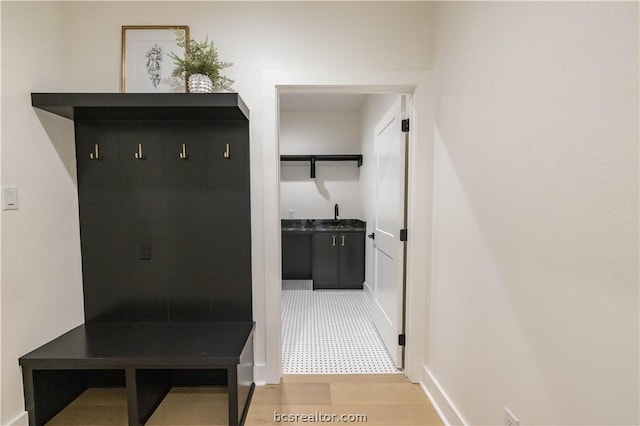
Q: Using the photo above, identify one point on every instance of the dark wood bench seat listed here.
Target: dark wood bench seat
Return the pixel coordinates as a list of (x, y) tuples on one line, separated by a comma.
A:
[(146, 358)]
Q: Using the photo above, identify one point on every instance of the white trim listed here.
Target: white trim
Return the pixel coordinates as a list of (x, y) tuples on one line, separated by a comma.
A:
[(21, 420), (439, 399), (272, 291), (368, 291), (259, 373), (419, 227), (417, 270)]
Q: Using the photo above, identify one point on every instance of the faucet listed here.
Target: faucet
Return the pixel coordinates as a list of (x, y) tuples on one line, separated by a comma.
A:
[(335, 212)]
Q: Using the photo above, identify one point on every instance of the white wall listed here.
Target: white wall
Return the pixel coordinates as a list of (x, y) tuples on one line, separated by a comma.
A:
[(80, 44), (372, 112), (535, 232), (41, 278), (320, 132), (1, 220), (257, 37)]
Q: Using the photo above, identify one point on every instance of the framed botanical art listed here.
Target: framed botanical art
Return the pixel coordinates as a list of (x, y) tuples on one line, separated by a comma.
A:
[(146, 65)]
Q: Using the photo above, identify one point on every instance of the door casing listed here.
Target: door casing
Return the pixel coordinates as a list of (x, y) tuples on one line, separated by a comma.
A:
[(267, 271)]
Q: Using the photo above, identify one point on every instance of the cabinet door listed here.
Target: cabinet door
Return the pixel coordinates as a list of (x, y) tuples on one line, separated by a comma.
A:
[(296, 256), (325, 260), (351, 260)]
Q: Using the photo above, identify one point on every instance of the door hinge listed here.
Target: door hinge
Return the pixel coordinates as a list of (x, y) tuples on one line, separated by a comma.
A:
[(405, 125), (401, 339), (403, 234)]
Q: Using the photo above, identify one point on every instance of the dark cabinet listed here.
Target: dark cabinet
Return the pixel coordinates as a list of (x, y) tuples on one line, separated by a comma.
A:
[(351, 260), (296, 256), (338, 260), (325, 260)]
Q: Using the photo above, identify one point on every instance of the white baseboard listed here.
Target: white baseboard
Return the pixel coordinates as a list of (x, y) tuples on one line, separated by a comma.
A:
[(439, 399), (21, 420), (368, 290), (262, 376)]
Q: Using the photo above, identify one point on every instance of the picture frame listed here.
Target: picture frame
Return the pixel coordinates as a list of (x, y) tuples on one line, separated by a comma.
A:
[(146, 65)]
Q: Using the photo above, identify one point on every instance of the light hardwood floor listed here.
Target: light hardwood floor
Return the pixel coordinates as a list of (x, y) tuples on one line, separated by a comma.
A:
[(383, 400)]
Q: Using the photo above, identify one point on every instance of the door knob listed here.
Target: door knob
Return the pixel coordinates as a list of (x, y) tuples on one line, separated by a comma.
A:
[(372, 235)]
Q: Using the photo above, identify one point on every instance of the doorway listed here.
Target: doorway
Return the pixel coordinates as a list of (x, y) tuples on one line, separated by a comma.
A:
[(335, 330), (267, 267)]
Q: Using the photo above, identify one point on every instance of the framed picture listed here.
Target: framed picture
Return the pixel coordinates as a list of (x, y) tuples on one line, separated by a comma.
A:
[(146, 65)]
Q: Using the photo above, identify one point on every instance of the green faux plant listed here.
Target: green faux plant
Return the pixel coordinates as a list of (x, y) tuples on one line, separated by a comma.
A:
[(200, 58)]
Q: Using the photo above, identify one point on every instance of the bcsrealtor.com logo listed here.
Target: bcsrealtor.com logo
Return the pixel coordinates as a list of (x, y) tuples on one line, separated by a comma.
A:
[(318, 417)]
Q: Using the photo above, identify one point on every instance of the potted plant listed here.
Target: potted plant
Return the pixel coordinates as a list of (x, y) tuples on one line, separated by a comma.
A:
[(200, 66)]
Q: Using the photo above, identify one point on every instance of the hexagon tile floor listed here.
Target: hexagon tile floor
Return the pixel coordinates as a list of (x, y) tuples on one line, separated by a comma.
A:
[(330, 332)]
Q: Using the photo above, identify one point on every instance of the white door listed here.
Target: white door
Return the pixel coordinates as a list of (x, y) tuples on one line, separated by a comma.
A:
[(389, 220)]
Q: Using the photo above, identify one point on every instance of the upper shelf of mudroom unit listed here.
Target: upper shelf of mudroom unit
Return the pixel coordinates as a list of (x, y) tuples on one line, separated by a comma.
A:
[(143, 106)]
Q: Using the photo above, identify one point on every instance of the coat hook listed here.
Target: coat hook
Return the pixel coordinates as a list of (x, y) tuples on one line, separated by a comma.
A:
[(227, 153), (183, 153), (138, 154), (95, 155)]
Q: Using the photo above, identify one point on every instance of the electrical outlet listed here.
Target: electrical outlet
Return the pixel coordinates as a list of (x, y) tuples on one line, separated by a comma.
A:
[(510, 419), (290, 213), (145, 251)]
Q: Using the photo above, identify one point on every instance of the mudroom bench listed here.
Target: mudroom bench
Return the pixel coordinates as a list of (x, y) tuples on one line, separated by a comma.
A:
[(164, 206), (147, 359)]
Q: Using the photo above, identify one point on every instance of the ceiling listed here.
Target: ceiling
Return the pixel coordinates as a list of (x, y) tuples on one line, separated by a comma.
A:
[(321, 101)]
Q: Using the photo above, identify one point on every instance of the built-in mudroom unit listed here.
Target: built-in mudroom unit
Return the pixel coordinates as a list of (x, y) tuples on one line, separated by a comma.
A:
[(164, 208)]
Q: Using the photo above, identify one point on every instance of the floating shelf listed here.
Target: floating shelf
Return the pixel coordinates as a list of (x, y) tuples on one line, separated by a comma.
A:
[(143, 106), (313, 158)]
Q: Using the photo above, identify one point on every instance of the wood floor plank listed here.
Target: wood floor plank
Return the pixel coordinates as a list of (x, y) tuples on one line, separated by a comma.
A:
[(192, 406), (102, 396), (96, 415), (377, 393), (292, 393)]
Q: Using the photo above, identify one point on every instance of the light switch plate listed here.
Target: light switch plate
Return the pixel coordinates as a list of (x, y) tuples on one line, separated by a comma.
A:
[(9, 198)]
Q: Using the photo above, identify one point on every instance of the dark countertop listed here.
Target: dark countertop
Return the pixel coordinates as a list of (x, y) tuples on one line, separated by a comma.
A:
[(308, 226)]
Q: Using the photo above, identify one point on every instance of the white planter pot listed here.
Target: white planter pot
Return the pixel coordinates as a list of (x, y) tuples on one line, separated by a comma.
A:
[(200, 83)]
